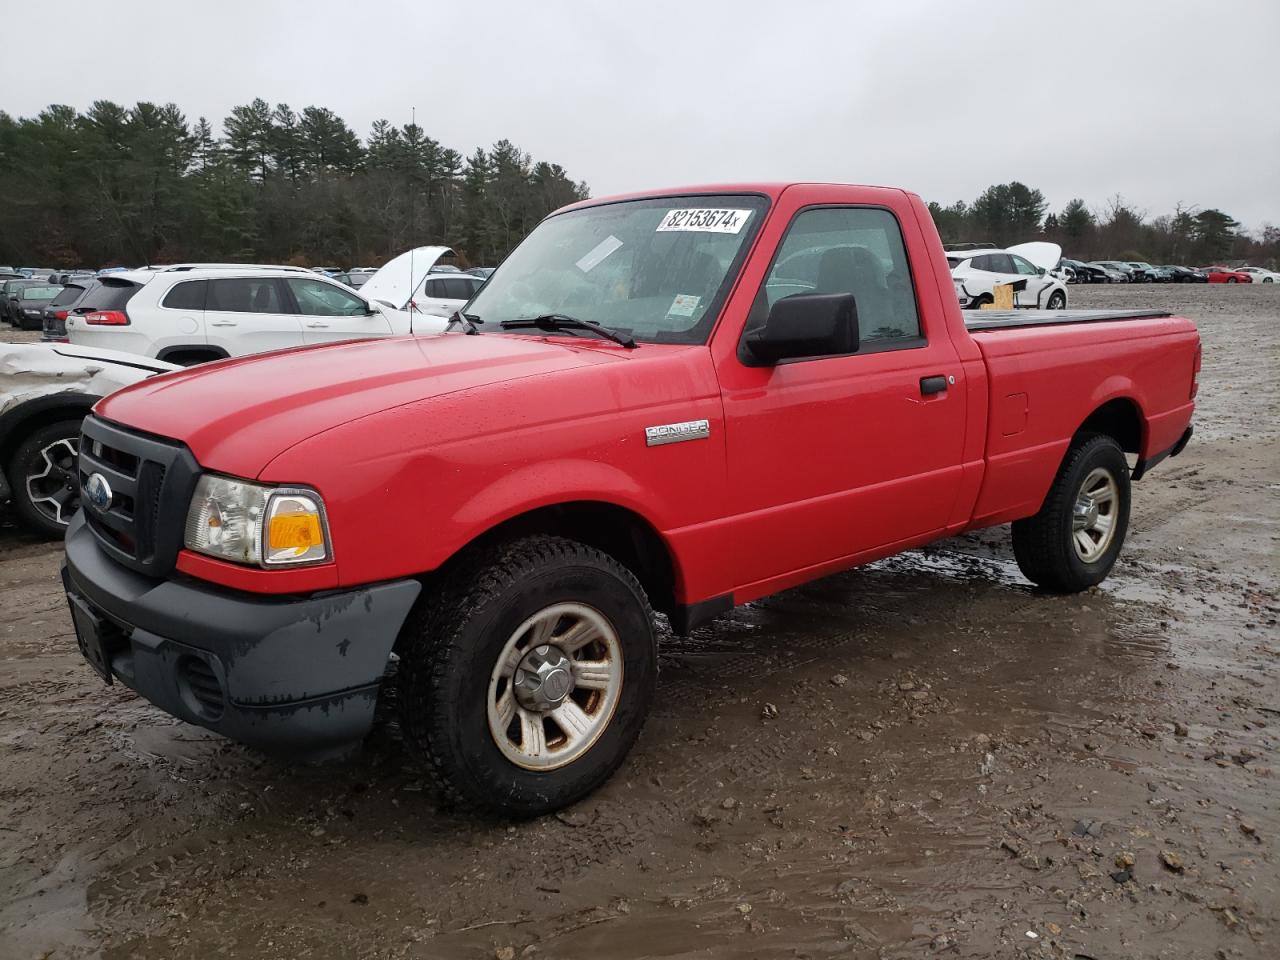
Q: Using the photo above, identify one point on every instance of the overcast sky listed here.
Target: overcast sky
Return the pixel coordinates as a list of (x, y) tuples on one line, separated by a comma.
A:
[(1158, 101)]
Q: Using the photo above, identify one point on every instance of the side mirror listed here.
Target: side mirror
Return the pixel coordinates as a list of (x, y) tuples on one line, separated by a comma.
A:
[(805, 325)]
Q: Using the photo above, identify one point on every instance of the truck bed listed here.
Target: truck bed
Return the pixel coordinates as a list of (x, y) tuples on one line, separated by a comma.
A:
[(1003, 319)]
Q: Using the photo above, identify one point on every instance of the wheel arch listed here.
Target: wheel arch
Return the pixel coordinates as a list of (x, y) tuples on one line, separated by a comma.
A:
[(214, 353), (623, 533), (1121, 419), (19, 421)]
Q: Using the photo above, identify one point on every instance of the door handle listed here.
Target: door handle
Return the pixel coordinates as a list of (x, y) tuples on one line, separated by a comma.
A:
[(222, 323), (932, 385), (317, 324)]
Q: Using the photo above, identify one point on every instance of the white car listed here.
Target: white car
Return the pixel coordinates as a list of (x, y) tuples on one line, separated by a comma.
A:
[(1027, 266), (45, 391), (1261, 276), (194, 314), (415, 282)]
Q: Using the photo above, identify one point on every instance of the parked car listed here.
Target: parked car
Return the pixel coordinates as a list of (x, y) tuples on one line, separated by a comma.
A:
[(44, 395), (1086, 272), (190, 315), (481, 272), (359, 276), (53, 317), (976, 272), (9, 298), (1121, 272), (665, 410), (1221, 274), (1260, 275), (28, 308), (1142, 272), (438, 291), (1186, 275)]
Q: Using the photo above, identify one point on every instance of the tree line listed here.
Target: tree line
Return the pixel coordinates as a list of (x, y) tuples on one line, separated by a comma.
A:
[(1008, 213), (141, 185), (138, 185)]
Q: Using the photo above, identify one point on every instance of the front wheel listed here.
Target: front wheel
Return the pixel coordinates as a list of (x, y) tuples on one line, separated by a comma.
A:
[(1073, 542), (526, 675), (1231, 279), (1057, 301), (46, 487)]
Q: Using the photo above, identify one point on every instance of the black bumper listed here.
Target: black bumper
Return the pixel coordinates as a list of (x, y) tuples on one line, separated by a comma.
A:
[(298, 676)]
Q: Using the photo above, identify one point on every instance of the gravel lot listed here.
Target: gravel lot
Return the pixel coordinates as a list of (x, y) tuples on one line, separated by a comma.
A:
[(919, 757)]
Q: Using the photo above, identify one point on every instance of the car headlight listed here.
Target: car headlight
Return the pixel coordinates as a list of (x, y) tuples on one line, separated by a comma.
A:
[(250, 523)]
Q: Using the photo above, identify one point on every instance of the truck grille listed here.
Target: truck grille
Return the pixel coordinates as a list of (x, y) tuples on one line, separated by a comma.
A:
[(150, 481)]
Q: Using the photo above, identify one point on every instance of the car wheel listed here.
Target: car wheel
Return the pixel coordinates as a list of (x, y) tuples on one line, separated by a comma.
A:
[(1057, 301), (42, 471), (1268, 280), (977, 302), (1231, 279), (1072, 543), (526, 675)]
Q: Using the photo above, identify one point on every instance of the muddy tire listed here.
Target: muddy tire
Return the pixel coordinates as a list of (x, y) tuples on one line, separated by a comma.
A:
[(1073, 542), (1057, 301), (977, 302), (526, 675), (42, 473)]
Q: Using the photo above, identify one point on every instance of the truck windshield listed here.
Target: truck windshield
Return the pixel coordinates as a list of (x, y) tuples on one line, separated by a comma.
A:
[(657, 270)]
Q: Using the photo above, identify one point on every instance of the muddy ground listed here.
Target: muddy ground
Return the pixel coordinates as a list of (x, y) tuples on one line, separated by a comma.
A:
[(958, 766)]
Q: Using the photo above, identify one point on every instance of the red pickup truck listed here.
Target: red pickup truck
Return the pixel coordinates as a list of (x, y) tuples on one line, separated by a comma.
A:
[(675, 401)]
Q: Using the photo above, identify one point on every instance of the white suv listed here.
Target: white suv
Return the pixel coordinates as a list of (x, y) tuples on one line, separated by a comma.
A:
[(190, 314)]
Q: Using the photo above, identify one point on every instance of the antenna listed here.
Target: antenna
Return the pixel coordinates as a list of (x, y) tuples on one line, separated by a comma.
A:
[(413, 244)]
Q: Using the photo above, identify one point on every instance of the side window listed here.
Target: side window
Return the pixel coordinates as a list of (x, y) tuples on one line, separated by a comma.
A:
[(459, 288), (856, 250), (1001, 263), (244, 295), (318, 299), (188, 295), (1024, 267), (434, 289)]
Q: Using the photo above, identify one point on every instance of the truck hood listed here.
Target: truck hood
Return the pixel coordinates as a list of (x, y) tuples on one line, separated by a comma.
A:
[(237, 415), (1040, 252), (396, 280)]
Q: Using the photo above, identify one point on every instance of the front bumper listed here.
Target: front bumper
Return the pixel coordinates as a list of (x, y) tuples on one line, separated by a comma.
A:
[(296, 675)]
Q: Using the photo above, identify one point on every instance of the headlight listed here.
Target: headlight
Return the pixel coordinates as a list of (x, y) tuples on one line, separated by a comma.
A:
[(255, 524)]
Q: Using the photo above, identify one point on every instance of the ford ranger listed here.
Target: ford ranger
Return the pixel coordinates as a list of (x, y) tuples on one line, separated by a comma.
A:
[(676, 401)]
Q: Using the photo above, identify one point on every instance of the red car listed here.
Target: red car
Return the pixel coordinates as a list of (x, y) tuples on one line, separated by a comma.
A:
[(677, 401), (1227, 275)]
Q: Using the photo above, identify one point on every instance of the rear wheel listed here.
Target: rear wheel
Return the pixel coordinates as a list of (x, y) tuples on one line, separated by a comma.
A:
[(42, 471), (1073, 542), (980, 300), (525, 677)]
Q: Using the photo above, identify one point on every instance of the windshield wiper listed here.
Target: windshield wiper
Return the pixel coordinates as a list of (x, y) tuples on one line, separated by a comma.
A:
[(469, 320), (558, 321)]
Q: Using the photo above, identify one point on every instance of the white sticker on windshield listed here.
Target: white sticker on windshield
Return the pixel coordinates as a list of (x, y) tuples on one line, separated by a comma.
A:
[(705, 220), (683, 305), (598, 253)]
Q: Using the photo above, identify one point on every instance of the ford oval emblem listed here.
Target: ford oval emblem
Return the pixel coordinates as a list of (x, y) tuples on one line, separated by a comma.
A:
[(98, 491)]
